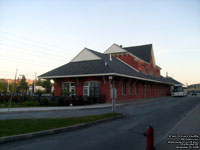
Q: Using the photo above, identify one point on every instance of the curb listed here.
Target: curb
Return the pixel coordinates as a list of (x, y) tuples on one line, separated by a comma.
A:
[(63, 109), (118, 104), (54, 131)]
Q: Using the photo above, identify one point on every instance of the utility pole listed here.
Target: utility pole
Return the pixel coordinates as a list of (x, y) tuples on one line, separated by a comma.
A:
[(8, 87), (34, 91), (12, 91)]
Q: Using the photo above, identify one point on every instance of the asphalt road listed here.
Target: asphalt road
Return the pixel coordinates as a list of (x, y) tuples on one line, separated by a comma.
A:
[(121, 134)]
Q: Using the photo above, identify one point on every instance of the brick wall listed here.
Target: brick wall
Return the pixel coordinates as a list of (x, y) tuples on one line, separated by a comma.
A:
[(139, 64), (152, 89)]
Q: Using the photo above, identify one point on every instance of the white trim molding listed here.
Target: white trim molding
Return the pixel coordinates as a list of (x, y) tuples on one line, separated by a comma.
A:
[(84, 55)]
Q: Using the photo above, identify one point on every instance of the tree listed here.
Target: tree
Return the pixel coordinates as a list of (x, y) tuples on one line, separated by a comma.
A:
[(3, 86), (13, 87), (47, 85), (39, 82), (23, 85)]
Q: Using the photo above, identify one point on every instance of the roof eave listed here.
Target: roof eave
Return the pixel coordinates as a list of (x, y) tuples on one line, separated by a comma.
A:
[(103, 74)]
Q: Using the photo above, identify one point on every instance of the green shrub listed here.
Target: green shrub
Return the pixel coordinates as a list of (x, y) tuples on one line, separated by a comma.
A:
[(31, 103)]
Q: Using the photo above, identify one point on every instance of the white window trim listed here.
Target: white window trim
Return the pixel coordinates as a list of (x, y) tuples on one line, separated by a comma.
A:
[(70, 87), (88, 87)]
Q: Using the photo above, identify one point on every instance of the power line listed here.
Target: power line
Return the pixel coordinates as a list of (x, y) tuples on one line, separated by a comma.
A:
[(24, 59), (35, 41), (3, 71), (33, 45), (31, 49), (22, 73), (25, 62), (45, 53), (33, 54)]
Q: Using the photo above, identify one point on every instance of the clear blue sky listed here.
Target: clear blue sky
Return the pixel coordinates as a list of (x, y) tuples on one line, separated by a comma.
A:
[(39, 35)]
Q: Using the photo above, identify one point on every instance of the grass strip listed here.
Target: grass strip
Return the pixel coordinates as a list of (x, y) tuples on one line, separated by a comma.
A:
[(21, 126)]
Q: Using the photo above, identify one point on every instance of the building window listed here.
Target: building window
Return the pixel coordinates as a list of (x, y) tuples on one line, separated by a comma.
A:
[(68, 88), (86, 89), (130, 88), (91, 88), (158, 92), (151, 72), (157, 73), (145, 90), (136, 88), (143, 69), (123, 88)]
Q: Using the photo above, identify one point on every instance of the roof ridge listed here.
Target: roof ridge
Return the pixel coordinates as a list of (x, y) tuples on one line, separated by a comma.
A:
[(103, 58), (137, 46)]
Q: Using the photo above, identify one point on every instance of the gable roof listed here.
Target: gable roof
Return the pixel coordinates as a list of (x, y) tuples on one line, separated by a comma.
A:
[(143, 51), (84, 55), (114, 49), (101, 67)]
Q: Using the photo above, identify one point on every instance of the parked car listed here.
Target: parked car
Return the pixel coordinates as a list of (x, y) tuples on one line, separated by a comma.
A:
[(194, 93)]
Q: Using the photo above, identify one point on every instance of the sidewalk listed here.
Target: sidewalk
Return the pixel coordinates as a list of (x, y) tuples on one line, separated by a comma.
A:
[(85, 107), (32, 109), (187, 129)]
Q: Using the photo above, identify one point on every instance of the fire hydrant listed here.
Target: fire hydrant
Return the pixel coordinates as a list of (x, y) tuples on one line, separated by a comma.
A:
[(150, 138)]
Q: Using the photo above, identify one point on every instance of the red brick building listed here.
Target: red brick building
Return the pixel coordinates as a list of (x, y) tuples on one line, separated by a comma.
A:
[(130, 70)]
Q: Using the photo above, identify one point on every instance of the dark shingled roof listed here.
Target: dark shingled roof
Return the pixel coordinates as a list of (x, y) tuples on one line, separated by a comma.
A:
[(143, 51), (98, 67), (171, 80)]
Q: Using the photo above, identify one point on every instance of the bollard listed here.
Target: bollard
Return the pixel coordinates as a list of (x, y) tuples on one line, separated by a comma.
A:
[(150, 138)]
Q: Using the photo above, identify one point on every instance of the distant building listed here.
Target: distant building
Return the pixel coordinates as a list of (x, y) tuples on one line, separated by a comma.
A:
[(10, 81), (132, 71), (194, 87), (37, 88)]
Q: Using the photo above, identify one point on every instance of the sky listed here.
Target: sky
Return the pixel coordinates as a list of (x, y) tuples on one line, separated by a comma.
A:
[(37, 36)]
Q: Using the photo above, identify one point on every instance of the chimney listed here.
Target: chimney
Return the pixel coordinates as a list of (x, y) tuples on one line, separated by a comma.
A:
[(110, 57), (166, 74), (120, 46)]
